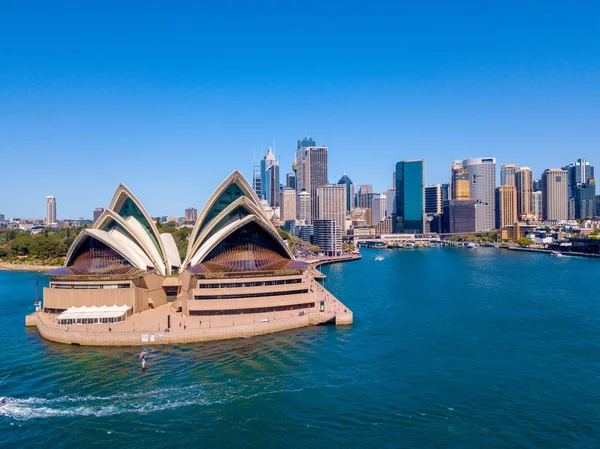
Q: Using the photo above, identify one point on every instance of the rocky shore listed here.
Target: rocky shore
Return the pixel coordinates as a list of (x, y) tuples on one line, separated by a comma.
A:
[(24, 266)]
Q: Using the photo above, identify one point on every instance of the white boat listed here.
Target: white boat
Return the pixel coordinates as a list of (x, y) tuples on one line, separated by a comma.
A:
[(556, 254), (472, 245), (378, 258)]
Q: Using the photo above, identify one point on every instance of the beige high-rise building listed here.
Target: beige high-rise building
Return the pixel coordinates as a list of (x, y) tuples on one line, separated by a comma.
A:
[(524, 183), (461, 189), (304, 206), (506, 206), (507, 174), (287, 205), (555, 194), (50, 211), (332, 204)]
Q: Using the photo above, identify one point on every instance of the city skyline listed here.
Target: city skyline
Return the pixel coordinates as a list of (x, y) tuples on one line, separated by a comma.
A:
[(170, 83)]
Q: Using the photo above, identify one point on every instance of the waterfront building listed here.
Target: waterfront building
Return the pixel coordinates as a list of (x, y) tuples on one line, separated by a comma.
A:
[(290, 181), (433, 199), (311, 171), (506, 206), (555, 193), (524, 184), (379, 210), (346, 181), (50, 211), (461, 183), (269, 175), (482, 174), (585, 199), (364, 197), (536, 202), (97, 212), (304, 204), (384, 226), (410, 197), (191, 214), (507, 174), (328, 237), (458, 216), (288, 205), (237, 273), (332, 204)]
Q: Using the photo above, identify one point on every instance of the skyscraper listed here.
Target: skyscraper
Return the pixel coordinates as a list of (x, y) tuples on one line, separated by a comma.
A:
[(332, 204), (585, 199), (506, 206), (391, 201), (536, 204), (303, 206), (410, 197), (191, 214), (364, 197), (578, 173), (257, 179), (97, 212), (379, 210), (311, 172), (290, 181), (482, 174), (287, 207), (461, 185), (50, 211), (269, 174), (524, 184), (458, 216), (433, 199), (507, 174), (328, 237), (345, 180), (555, 195)]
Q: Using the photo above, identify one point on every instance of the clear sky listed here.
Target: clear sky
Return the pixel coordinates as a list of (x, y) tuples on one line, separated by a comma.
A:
[(171, 97)]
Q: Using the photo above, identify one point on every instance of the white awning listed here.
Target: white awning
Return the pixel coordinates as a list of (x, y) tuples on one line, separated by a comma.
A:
[(75, 313)]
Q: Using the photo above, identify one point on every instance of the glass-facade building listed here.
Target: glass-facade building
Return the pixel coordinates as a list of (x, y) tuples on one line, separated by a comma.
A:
[(410, 197)]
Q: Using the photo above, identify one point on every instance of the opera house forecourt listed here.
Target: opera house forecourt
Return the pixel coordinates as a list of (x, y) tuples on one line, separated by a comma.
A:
[(123, 283)]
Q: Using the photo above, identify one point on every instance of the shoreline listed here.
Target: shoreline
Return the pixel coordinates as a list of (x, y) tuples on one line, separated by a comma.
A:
[(30, 267)]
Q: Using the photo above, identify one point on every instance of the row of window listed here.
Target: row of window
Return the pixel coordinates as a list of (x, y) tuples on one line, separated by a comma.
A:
[(251, 284), (90, 321), (306, 305), (252, 295), (90, 286)]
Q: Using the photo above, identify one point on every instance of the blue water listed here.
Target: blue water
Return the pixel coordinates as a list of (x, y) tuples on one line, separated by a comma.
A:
[(450, 348)]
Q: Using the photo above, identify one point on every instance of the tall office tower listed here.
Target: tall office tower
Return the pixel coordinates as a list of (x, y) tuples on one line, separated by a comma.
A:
[(311, 171), (446, 194), (537, 185), (303, 206), (555, 193), (2, 217), (257, 179), (332, 204), (290, 181), (394, 179), (433, 199), (349, 191), (328, 237), (482, 173), (391, 201), (507, 174), (364, 197), (524, 184), (306, 142), (269, 175), (379, 210), (578, 173), (461, 184), (506, 206), (191, 214), (50, 210), (410, 197), (536, 204), (287, 207), (97, 212), (458, 216), (585, 199)]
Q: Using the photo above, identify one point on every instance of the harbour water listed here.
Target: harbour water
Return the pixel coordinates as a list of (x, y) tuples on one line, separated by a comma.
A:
[(449, 348)]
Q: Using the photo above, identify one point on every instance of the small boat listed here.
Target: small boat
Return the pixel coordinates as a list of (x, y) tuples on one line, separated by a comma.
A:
[(556, 254), (378, 259), (472, 245)]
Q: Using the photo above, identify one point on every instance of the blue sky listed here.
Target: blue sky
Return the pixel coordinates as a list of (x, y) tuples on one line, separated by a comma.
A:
[(171, 97)]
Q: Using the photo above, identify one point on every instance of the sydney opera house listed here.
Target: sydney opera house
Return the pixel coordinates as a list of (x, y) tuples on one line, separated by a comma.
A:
[(124, 283)]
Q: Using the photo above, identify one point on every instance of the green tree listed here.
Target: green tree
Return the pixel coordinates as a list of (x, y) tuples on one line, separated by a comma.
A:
[(523, 241)]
